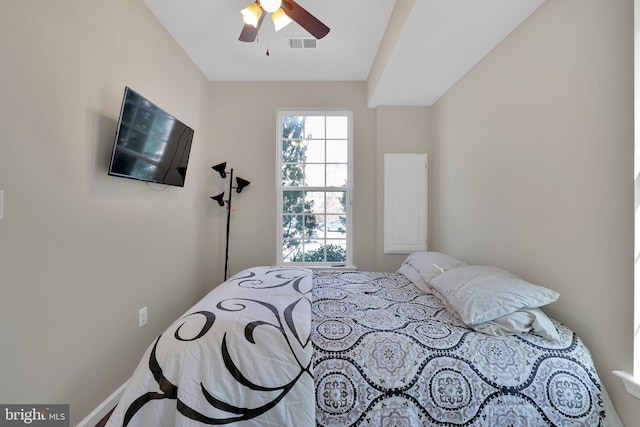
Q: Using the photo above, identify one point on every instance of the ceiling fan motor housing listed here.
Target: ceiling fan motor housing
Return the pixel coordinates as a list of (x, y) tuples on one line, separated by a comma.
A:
[(270, 5)]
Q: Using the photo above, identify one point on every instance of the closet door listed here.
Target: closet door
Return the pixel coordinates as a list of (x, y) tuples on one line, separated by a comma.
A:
[(405, 203)]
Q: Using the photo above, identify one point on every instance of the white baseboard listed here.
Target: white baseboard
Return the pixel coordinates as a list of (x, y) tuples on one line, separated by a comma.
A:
[(103, 409)]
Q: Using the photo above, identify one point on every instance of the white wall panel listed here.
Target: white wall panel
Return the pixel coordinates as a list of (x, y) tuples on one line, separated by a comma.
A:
[(405, 203)]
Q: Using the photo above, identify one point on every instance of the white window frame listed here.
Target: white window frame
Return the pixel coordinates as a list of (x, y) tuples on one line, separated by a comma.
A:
[(348, 263), (632, 379)]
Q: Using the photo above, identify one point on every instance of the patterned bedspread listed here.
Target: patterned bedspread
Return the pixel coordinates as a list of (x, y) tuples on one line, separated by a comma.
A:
[(389, 354), (240, 356), (273, 347)]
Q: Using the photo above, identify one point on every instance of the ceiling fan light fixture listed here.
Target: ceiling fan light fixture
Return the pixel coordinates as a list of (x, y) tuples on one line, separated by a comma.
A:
[(251, 14), (255, 13), (270, 5), (280, 19)]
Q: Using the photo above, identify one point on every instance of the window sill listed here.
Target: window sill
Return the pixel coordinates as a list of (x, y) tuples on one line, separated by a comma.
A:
[(631, 383)]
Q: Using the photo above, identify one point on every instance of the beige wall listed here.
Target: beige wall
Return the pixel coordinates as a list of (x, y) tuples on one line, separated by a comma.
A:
[(81, 252), (532, 170), (243, 128), (401, 130)]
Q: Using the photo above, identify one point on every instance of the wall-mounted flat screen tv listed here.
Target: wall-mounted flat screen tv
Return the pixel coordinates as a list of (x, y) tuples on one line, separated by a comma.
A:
[(151, 145)]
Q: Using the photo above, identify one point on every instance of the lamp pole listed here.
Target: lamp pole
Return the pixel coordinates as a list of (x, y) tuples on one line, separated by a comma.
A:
[(226, 254), (240, 184)]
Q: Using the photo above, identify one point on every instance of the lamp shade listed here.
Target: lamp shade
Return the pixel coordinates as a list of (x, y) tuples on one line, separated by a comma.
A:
[(280, 19), (241, 183), (251, 14), (220, 168), (219, 198)]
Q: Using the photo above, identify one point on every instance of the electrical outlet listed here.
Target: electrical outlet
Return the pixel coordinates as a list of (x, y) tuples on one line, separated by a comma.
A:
[(142, 316)]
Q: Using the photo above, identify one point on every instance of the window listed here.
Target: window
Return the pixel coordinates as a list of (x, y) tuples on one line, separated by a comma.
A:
[(314, 179)]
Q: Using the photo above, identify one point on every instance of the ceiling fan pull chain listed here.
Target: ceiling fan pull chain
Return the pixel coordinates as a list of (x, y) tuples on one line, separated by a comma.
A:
[(268, 43)]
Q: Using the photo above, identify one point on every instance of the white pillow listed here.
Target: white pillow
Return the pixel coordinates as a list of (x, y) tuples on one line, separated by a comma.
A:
[(479, 294), (527, 320), (414, 277), (430, 264)]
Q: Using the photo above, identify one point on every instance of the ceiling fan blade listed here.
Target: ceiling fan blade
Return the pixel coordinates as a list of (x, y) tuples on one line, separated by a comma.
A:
[(305, 19), (249, 33)]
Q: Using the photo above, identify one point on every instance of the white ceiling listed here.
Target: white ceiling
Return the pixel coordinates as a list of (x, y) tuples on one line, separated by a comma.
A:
[(413, 50)]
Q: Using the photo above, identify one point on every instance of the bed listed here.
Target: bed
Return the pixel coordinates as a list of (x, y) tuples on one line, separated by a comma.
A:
[(438, 342)]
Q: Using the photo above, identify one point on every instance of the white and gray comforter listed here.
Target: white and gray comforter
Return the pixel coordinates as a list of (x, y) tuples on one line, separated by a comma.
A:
[(389, 354), (285, 347), (241, 356)]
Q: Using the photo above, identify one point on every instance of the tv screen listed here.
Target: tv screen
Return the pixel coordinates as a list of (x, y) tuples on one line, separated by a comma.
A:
[(151, 145)]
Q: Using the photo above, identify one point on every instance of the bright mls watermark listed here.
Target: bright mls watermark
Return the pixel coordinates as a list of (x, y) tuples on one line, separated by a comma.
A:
[(34, 415)]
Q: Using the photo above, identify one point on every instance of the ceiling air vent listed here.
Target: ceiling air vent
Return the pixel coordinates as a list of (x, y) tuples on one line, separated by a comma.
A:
[(302, 43)]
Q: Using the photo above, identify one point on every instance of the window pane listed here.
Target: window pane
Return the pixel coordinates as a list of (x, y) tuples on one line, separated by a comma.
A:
[(336, 226), (292, 201), (336, 251), (314, 127), (310, 224), (320, 220), (337, 151), (292, 226), (291, 249), (313, 251), (315, 151), (293, 150), (314, 175), (315, 200), (337, 127), (292, 175), (292, 127), (337, 175), (336, 202)]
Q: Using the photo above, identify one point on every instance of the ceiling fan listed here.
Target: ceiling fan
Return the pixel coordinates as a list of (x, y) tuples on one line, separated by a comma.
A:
[(282, 13)]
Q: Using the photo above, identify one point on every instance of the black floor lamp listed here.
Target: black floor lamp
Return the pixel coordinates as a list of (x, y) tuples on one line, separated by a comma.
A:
[(240, 184)]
